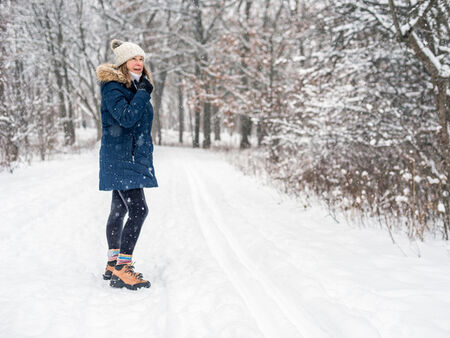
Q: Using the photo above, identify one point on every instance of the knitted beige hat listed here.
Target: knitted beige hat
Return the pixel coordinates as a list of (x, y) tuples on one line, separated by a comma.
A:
[(124, 51)]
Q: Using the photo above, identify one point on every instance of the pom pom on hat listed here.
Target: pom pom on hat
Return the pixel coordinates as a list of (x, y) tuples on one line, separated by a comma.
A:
[(115, 43), (124, 51)]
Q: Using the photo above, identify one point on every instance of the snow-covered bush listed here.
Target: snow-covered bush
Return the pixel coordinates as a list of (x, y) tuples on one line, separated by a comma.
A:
[(362, 128)]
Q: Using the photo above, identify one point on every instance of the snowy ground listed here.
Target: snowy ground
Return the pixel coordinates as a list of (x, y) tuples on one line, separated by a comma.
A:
[(227, 257)]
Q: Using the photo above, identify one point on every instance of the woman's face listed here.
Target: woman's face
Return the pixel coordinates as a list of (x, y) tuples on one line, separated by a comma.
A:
[(135, 64)]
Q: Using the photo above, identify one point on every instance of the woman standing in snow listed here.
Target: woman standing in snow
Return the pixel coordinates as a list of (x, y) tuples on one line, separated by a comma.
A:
[(126, 156)]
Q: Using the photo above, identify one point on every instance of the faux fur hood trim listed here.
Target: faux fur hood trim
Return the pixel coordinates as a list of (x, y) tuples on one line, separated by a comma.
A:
[(107, 73)]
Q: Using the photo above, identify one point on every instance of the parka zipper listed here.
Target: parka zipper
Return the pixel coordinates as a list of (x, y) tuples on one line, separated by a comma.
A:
[(133, 147)]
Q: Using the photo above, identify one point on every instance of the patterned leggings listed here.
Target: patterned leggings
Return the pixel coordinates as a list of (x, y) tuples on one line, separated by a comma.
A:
[(118, 235)]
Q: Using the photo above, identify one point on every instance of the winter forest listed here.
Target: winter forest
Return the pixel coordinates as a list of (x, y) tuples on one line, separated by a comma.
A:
[(347, 101)]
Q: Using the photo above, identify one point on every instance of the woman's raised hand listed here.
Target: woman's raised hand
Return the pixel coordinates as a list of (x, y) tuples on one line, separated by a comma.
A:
[(145, 85)]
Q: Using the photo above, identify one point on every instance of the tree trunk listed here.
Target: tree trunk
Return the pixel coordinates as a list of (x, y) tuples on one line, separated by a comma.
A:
[(216, 119), (69, 127), (56, 65), (245, 121), (180, 114), (199, 37), (260, 132), (207, 123), (196, 141), (246, 129), (443, 111), (98, 126), (159, 89)]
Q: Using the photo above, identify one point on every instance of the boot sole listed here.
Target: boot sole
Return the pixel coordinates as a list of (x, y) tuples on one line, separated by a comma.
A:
[(108, 276), (118, 283)]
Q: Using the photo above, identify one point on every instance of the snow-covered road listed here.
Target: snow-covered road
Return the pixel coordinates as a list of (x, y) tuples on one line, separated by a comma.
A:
[(227, 257)]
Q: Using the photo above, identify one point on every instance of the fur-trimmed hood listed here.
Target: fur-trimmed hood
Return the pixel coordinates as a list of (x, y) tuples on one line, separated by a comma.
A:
[(107, 73)]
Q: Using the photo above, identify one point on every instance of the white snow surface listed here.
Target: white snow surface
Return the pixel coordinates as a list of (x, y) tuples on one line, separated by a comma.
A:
[(226, 255)]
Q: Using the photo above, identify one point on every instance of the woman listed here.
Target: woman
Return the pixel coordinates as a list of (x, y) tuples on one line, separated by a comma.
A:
[(126, 156)]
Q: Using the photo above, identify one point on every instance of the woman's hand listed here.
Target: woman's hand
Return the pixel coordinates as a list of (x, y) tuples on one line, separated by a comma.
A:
[(145, 85)]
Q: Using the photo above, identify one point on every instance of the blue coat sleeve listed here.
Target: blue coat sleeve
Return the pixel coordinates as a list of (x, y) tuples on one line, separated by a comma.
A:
[(126, 114)]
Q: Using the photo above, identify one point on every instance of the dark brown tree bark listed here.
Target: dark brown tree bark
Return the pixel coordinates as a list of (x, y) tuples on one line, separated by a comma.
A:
[(196, 139), (207, 123), (180, 113), (63, 81), (216, 119), (245, 120), (158, 93)]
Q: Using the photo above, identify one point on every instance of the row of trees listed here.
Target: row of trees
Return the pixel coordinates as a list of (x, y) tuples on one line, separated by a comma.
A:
[(346, 98), (47, 76)]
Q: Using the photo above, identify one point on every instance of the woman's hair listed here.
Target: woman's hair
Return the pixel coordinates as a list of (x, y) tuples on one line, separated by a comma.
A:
[(124, 70)]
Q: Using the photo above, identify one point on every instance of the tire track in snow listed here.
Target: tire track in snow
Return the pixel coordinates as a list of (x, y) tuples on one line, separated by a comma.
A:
[(310, 295), (170, 320), (214, 245), (275, 317)]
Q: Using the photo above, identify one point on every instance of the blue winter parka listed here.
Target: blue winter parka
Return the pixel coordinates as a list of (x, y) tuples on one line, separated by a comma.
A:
[(126, 152)]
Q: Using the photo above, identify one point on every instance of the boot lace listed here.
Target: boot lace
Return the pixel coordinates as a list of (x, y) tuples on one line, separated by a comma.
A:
[(130, 270)]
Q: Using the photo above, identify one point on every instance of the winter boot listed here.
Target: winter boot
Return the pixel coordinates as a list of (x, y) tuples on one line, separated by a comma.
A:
[(123, 275), (109, 270)]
